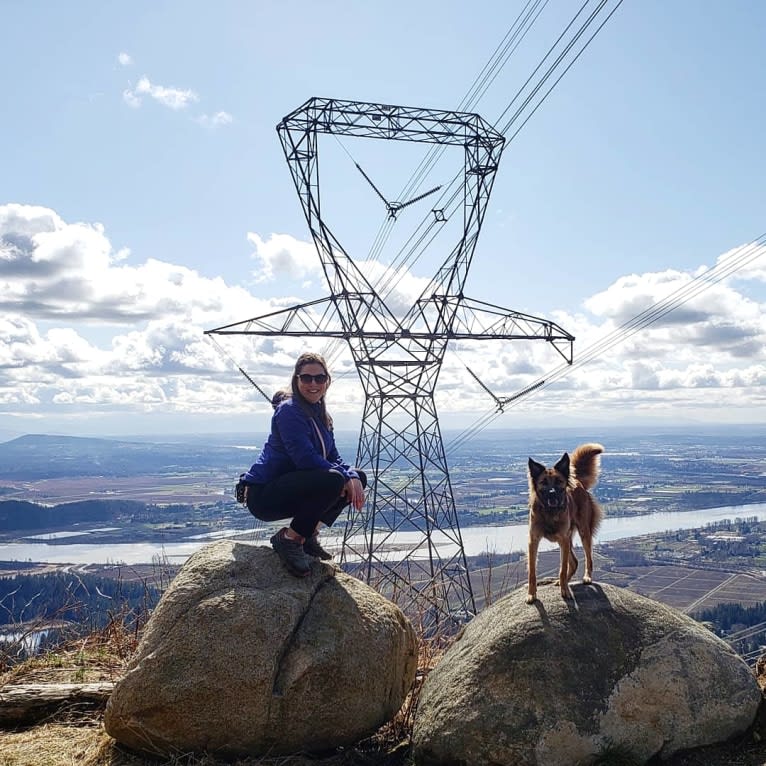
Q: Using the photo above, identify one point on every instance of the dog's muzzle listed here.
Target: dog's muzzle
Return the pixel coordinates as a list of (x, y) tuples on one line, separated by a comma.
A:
[(554, 500)]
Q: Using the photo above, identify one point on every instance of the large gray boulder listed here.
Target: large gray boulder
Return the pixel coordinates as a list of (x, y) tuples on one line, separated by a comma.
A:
[(557, 682), (241, 658)]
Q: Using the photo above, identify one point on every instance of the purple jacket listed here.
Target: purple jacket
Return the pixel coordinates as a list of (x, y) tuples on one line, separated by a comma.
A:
[(294, 445)]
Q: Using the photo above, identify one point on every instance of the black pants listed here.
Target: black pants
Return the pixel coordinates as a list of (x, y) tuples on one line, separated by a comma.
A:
[(306, 497)]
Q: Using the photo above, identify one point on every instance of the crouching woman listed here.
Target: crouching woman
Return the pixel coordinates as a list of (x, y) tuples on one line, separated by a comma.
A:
[(299, 474)]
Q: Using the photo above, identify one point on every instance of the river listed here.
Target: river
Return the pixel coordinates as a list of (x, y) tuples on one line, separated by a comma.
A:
[(476, 539)]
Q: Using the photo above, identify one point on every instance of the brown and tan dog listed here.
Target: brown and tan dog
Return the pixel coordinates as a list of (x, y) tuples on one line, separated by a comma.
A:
[(559, 503)]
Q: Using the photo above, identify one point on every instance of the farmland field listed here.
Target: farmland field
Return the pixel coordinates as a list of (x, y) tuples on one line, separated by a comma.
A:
[(686, 588)]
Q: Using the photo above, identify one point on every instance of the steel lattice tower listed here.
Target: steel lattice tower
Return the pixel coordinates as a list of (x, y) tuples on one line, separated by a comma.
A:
[(398, 359)]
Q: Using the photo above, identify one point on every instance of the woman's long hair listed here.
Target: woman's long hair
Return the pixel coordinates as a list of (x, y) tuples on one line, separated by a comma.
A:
[(309, 357)]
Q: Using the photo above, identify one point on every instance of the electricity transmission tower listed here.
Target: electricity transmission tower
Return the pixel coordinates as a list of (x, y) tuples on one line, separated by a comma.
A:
[(398, 358)]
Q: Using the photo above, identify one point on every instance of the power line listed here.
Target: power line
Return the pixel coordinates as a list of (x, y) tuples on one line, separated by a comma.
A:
[(497, 61), (452, 193), (747, 632), (736, 261), (743, 256)]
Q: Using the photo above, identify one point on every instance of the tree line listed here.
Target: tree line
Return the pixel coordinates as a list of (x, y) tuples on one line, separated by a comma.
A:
[(18, 515), (86, 599), (728, 619), (726, 616)]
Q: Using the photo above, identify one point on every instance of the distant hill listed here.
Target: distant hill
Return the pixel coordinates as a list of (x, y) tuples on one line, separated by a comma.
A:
[(38, 456), (20, 515)]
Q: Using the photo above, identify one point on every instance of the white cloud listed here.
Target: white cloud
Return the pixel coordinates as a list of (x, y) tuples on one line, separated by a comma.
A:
[(131, 99), (87, 329), (173, 98), (176, 99), (214, 120), (58, 270), (283, 256), (67, 276), (401, 287), (678, 316), (744, 263)]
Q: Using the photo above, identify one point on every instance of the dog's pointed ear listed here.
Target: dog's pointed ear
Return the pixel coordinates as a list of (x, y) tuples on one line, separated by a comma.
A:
[(535, 469), (563, 465)]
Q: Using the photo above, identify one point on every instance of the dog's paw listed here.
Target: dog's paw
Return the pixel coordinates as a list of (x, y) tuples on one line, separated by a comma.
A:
[(587, 579), (531, 598), (566, 594)]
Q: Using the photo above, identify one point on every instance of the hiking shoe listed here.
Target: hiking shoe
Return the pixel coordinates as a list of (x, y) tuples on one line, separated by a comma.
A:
[(291, 553), (312, 548)]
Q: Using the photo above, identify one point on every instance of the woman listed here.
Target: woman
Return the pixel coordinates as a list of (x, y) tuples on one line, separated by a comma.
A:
[(299, 474)]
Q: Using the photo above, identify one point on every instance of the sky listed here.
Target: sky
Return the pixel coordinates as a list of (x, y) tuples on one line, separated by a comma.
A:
[(145, 198)]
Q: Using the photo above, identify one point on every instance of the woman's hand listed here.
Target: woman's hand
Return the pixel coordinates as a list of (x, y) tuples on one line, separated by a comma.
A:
[(354, 493)]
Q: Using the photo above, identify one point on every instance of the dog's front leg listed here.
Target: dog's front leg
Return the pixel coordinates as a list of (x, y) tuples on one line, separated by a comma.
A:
[(532, 569), (564, 574)]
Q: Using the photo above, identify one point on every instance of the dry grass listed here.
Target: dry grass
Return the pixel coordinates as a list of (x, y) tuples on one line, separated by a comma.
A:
[(51, 744), (70, 737), (99, 656), (89, 745)]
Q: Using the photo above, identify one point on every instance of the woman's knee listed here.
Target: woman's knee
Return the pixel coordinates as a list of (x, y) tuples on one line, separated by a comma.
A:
[(335, 481)]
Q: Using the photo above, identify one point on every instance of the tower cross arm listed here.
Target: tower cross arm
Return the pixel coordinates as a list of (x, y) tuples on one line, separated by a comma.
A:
[(300, 320), (387, 121), (478, 320)]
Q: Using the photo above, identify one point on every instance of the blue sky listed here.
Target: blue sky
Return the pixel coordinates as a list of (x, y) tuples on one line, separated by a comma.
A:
[(144, 198)]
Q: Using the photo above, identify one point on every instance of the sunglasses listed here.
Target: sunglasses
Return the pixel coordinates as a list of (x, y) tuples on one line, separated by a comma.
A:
[(306, 378)]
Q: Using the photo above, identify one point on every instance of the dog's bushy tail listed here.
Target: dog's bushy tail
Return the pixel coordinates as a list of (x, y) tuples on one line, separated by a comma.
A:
[(585, 462)]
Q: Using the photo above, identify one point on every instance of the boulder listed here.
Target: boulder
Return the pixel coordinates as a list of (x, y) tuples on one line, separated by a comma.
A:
[(241, 658), (558, 682)]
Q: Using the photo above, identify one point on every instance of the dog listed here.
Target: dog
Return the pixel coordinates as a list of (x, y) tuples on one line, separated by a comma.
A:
[(559, 503)]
